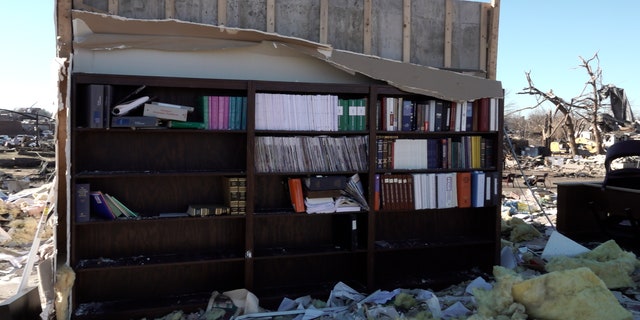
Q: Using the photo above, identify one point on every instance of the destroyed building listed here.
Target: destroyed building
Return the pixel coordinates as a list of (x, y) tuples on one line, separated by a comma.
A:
[(264, 259)]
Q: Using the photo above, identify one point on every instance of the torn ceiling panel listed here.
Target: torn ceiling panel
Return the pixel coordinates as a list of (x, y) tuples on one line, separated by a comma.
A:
[(100, 32)]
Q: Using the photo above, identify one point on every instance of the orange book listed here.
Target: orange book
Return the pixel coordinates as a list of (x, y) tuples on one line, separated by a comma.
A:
[(295, 191), (464, 189)]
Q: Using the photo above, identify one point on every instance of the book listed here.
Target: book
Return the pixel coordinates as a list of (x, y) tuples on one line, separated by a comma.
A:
[(325, 182), (204, 104), (164, 112), (343, 114), (172, 105), (295, 193), (332, 193), (377, 200), (407, 116), (477, 189), (108, 96), (464, 189), (95, 101), (225, 113), (355, 190), (439, 116), (203, 210), (134, 122), (235, 194), (447, 194), (484, 114), (243, 113), (346, 204), (214, 107), (99, 206), (186, 124), (128, 212), (113, 208), (83, 203)]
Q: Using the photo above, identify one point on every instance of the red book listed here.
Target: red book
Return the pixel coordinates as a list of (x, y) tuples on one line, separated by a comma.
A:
[(295, 191), (483, 115), (464, 189)]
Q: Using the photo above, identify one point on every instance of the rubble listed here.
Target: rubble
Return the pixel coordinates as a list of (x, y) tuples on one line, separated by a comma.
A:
[(573, 281)]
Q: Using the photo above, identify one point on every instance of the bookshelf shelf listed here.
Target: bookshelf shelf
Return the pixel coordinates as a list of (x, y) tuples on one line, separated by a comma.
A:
[(264, 246)]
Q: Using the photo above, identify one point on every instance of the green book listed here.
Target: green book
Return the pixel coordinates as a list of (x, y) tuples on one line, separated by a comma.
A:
[(186, 124)]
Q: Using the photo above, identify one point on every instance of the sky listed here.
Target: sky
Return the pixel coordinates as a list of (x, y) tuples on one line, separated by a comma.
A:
[(28, 54), (548, 37), (543, 37)]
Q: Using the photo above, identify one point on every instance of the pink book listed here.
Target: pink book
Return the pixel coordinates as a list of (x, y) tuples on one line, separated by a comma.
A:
[(221, 113), (213, 112), (225, 117)]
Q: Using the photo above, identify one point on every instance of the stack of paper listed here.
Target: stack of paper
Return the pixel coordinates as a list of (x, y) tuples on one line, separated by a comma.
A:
[(320, 205)]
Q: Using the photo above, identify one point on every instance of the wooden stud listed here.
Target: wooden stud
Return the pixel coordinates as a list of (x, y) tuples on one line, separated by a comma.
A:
[(222, 12), (113, 7), (271, 15), (367, 27), (324, 20), (169, 9), (493, 40), (64, 39), (484, 42), (80, 5), (406, 31), (448, 31)]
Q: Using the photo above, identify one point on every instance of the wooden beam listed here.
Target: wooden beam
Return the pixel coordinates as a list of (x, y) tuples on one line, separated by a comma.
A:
[(484, 42), (113, 7), (324, 20), (448, 32), (169, 9), (271, 15), (222, 12), (64, 37), (493, 40), (80, 5), (406, 31), (367, 27)]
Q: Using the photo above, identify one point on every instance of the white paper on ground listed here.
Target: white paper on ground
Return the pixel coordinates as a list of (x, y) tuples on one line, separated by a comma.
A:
[(560, 245)]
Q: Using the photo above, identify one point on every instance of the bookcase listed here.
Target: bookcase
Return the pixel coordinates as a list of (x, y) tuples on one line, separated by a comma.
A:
[(163, 260)]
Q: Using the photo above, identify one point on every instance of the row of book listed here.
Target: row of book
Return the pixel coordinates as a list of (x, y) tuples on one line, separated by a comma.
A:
[(311, 153), (224, 112), (436, 190), (299, 112), (235, 194), (436, 115), (461, 152), (95, 203)]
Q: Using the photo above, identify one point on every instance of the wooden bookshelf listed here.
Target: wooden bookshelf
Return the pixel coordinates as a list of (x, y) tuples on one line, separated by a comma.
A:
[(152, 265)]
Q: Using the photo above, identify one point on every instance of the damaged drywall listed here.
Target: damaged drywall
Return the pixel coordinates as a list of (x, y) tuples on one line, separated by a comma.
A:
[(177, 42)]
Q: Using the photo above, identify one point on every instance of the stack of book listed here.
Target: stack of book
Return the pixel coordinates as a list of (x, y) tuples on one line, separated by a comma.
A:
[(100, 205), (236, 194)]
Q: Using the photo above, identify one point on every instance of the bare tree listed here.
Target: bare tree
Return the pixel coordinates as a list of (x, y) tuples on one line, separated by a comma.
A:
[(565, 108), (578, 114)]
